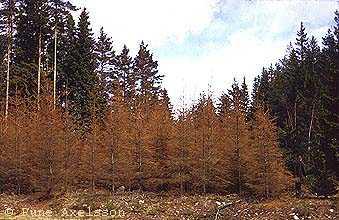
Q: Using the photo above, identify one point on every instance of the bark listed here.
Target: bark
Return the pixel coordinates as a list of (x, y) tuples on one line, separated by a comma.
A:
[(295, 114), (93, 168), (113, 161), (9, 51), (39, 70), (238, 155), (18, 155), (55, 66), (311, 124), (181, 170)]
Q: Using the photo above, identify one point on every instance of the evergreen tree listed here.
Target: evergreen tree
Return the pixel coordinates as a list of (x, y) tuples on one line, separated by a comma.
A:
[(146, 69), (261, 88), (245, 99), (301, 92), (84, 77), (59, 9), (124, 74), (224, 105), (2, 69), (7, 12), (67, 58), (301, 43), (235, 133), (326, 154), (239, 97), (30, 45), (105, 58)]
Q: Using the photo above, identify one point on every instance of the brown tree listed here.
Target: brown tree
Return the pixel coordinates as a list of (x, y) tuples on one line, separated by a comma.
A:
[(269, 175), (118, 160), (160, 142), (180, 153), (236, 147), (206, 141)]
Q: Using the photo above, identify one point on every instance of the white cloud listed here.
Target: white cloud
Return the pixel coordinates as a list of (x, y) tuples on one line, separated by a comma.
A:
[(244, 56), (233, 38), (155, 21)]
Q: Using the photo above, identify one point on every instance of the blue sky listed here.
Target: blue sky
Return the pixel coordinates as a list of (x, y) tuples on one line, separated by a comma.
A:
[(209, 42)]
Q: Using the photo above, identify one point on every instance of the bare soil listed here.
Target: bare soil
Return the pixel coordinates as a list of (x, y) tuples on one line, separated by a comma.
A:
[(144, 206)]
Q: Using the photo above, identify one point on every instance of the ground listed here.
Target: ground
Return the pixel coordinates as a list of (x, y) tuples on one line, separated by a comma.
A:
[(78, 205)]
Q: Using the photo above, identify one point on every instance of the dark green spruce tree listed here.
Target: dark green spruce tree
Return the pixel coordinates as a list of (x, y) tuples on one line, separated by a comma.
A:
[(146, 69), (84, 78), (302, 93), (105, 60), (58, 11), (125, 76), (327, 131), (31, 36), (245, 99), (67, 61), (8, 11)]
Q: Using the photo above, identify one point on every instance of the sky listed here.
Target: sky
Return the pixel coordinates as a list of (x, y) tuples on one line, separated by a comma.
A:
[(202, 44)]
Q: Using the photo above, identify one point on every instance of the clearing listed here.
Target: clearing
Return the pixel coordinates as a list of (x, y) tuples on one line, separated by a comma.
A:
[(135, 205)]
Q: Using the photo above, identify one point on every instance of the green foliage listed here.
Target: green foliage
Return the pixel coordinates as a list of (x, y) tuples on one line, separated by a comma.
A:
[(84, 79), (146, 70), (302, 93)]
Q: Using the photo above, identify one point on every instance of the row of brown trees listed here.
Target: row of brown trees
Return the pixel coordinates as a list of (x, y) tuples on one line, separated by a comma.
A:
[(143, 147)]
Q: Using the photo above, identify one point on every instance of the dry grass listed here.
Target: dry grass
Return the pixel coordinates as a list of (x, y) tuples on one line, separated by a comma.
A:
[(170, 206)]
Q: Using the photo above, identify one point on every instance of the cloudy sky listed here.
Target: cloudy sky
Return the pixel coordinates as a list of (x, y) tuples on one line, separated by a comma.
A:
[(209, 42)]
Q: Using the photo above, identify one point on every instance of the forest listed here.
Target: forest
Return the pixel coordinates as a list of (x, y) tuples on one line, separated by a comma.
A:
[(76, 114)]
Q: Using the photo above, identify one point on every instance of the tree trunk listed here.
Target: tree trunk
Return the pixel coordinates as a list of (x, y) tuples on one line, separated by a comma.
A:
[(113, 169), (39, 70), (295, 114), (238, 155), (55, 66), (18, 156), (9, 51), (139, 162), (311, 124), (93, 168), (204, 160), (181, 170)]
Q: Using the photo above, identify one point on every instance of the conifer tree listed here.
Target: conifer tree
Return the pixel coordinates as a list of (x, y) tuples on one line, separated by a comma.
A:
[(8, 13), (326, 158), (206, 144), (67, 57), (223, 105), (2, 64), (84, 76), (146, 69), (181, 152), (245, 99), (31, 35), (124, 74), (58, 11), (118, 143), (235, 132), (161, 127), (268, 175), (105, 58), (297, 93), (261, 88)]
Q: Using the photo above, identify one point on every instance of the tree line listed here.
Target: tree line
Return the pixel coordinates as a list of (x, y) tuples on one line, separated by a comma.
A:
[(79, 115), (302, 92)]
